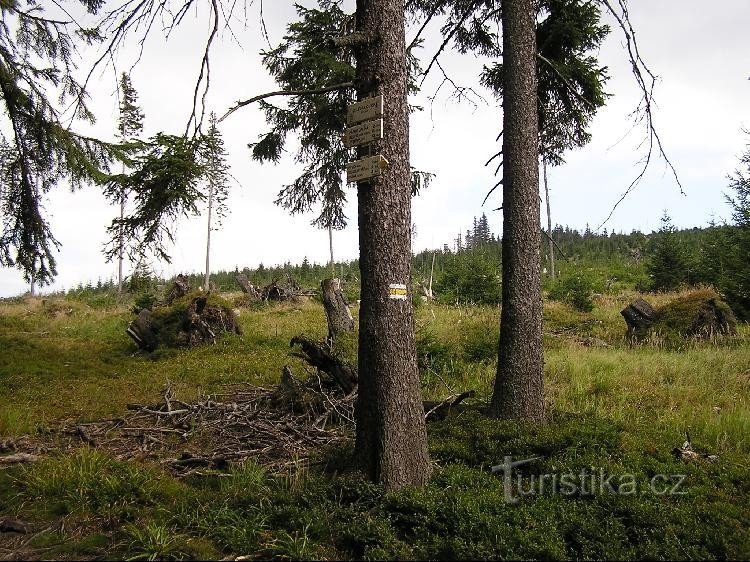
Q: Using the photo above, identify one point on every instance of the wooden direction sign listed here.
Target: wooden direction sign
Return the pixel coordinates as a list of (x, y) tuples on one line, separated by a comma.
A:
[(365, 110), (365, 168), (365, 133)]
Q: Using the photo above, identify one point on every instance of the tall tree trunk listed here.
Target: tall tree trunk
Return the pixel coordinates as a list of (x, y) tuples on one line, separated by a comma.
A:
[(518, 392), (208, 234), (330, 246), (121, 242), (391, 438), (550, 241)]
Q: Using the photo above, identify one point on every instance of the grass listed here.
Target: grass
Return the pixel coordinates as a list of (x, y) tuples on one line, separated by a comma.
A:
[(613, 406)]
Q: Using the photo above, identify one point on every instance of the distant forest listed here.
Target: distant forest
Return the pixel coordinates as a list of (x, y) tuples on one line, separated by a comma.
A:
[(468, 270)]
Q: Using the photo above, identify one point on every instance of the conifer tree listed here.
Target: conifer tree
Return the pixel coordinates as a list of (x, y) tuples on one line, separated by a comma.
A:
[(129, 125), (667, 264), (518, 392), (217, 178), (38, 67)]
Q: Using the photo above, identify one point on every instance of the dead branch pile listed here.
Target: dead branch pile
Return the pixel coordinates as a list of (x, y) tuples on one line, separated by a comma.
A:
[(216, 431)]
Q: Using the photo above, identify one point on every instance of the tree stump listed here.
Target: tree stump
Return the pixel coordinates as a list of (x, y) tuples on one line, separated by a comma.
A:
[(178, 290), (142, 331), (247, 287), (700, 314), (337, 309), (639, 316)]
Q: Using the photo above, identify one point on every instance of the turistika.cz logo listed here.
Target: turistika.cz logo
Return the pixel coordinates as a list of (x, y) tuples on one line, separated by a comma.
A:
[(588, 482)]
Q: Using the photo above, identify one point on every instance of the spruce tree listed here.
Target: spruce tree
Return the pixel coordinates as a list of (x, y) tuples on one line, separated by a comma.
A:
[(518, 392), (668, 263), (129, 125), (37, 77), (217, 179)]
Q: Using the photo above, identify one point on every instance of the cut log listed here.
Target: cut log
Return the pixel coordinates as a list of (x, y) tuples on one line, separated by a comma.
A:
[(337, 309), (639, 316), (319, 357), (142, 331)]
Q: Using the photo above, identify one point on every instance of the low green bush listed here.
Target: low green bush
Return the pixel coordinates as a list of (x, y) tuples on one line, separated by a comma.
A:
[(575, 290)]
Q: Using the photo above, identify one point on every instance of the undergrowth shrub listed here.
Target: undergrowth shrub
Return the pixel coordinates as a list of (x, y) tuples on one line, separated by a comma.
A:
[(575, 290)]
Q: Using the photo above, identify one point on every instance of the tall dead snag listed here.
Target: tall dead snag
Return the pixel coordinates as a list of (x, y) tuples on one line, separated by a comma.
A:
[(337, 309), (518, 392), (391, 439)]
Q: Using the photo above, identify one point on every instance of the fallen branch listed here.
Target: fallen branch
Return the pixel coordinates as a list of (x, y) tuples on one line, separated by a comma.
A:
[(18, 458)]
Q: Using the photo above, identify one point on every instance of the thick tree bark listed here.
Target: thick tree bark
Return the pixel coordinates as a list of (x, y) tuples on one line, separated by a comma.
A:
[(337, 309), (391, 437), (518, 392)]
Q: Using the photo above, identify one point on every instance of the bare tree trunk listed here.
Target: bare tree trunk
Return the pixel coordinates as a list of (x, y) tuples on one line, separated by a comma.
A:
[(550, 242), (391, 439), (432, 270), (121, 242), (518, 392), (330, 245), (208, 234)]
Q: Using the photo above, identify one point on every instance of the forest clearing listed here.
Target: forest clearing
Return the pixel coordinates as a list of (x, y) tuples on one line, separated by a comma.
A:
[(612, 406), (380, 389)]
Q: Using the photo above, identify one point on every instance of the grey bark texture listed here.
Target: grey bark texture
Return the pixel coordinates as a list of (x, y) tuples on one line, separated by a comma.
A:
[(391, 440), (518, 392), (337, 309)]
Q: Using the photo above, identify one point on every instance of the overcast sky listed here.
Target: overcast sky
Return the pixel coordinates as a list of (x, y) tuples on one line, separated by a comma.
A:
[(698, 50)]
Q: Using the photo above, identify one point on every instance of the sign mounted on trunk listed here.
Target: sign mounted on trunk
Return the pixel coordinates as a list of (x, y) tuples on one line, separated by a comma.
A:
[(365, 168), (365, 110), (365, 133)]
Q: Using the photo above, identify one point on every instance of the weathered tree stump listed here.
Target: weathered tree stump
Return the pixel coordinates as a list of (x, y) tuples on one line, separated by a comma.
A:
[(701, 314), (247, 287), (639, 316), (337, 309), (188, 322), (142, 331), (179, 289)]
